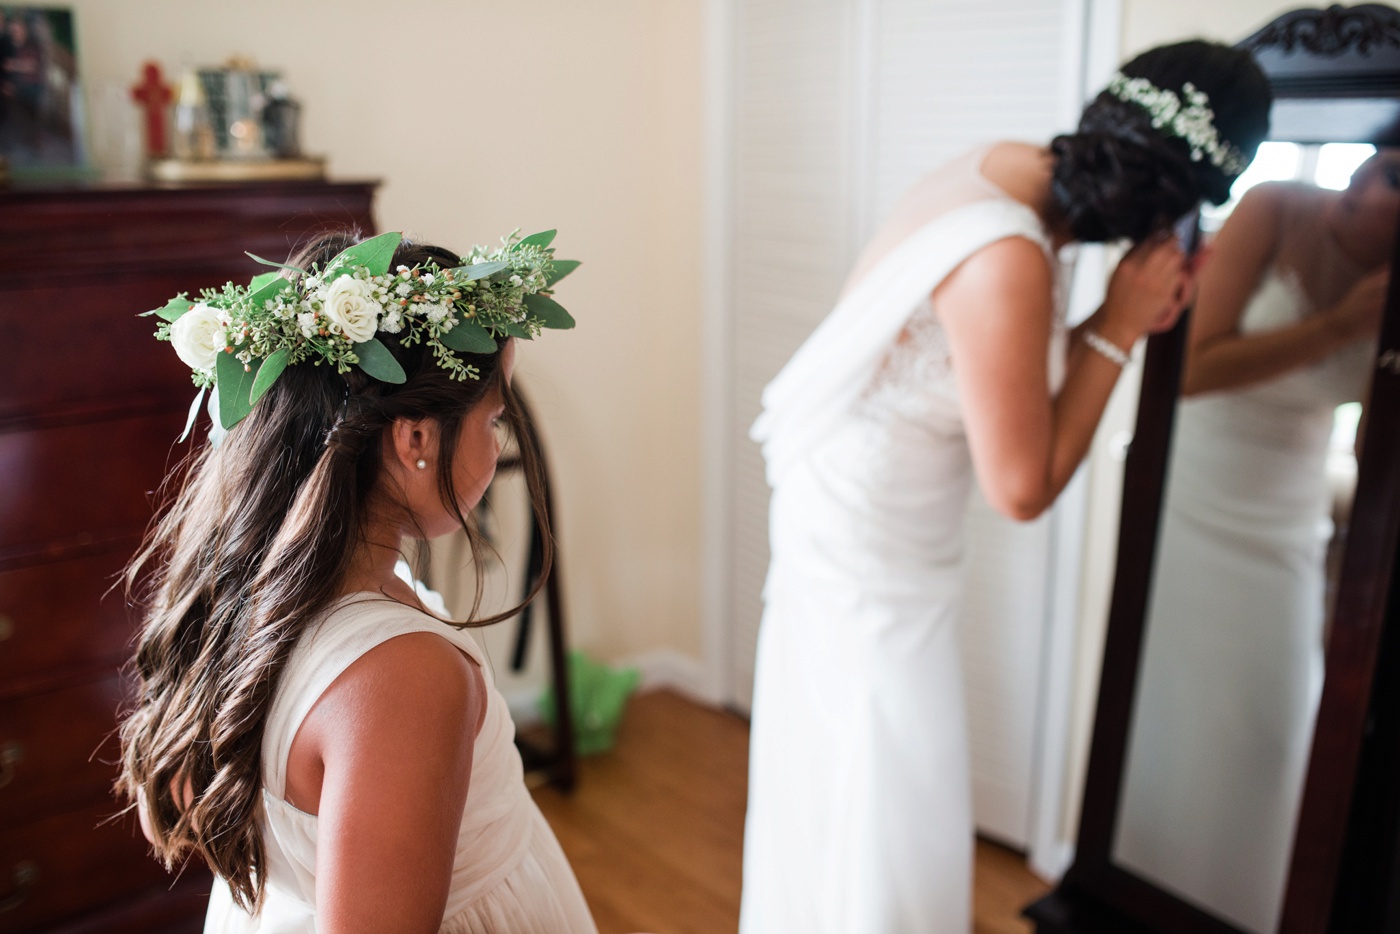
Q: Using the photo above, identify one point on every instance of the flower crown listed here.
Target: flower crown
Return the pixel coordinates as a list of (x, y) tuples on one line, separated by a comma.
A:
[(239, 339), (1194, 122)]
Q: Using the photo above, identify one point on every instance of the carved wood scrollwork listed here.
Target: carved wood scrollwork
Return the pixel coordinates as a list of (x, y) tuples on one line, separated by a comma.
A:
[(1332, 31)]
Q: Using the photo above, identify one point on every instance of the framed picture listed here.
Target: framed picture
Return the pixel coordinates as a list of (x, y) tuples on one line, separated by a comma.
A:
[(41, 120)]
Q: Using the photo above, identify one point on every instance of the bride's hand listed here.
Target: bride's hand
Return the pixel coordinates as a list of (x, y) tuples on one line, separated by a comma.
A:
[(1148, 291)]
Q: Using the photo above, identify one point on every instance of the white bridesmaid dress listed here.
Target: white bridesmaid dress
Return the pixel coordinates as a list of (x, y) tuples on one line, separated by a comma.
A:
[(509, 876), (859, 815)]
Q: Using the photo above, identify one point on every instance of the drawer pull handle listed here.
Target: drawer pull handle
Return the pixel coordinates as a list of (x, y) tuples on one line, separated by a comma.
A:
[(7, 627), (11, 755), (24, 877)]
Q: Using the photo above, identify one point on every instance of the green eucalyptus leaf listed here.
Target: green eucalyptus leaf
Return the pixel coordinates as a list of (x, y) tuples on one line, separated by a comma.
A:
[(271, 368), (172, 310), (469, 337), (235, 388), (377, 361), (550, 312), (474, 271), (517, 330), (542, 239), (562, 267), (267, 262), (375, 253), (268, 289), (262, 279)]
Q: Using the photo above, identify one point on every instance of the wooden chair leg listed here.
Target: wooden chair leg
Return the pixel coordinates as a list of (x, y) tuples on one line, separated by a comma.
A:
[(558, 762)]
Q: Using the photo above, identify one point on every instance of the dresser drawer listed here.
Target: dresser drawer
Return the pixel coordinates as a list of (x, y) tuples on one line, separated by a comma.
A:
[(79, 484), (60, 615), (68, 864), (58, 749), (113, 353)]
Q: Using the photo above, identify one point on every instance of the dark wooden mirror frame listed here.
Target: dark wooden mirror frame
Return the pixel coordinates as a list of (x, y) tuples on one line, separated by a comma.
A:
[(1336, 78)]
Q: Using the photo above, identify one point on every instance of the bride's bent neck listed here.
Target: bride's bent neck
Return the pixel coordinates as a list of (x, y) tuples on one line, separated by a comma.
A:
[(1024, 172)]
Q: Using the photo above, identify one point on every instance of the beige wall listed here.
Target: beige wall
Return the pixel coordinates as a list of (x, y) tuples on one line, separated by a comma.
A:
[(1147, 23), (480, 117)]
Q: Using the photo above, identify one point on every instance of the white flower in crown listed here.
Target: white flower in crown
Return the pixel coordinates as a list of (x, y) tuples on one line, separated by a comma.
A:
[(198, 337), (348, 303), (1194, 122)]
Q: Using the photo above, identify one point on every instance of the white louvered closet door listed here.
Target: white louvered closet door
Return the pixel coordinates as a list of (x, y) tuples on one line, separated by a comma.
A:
[(836, 107), (793, 228)]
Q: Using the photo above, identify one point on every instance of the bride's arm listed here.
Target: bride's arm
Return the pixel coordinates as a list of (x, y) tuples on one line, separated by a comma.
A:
[(1219, 357), (997, 308)]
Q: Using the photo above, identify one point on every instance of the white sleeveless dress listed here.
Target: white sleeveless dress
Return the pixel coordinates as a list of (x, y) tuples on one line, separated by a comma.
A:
[(1233, 652), (509, 877), (859, 813)]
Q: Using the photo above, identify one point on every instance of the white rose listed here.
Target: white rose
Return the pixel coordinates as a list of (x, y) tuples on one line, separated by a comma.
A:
[(351, 307), (198, 337)]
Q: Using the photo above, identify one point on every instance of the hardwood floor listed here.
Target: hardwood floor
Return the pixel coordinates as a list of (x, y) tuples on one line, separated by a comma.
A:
[(655, 829)]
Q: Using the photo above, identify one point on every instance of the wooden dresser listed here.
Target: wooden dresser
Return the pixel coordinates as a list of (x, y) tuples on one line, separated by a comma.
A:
[(90, 408)]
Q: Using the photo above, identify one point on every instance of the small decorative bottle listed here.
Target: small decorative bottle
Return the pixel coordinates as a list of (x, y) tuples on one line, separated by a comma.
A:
[(194, 129), (281, 119)]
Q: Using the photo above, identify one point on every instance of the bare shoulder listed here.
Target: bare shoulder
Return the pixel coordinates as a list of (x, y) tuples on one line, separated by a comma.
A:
[(420, 678), (1013, 268), (421, 671), (1255, 227), (1274, 195)]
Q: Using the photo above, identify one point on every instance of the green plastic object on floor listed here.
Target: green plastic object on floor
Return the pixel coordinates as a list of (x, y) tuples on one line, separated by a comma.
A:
[(597, 696)]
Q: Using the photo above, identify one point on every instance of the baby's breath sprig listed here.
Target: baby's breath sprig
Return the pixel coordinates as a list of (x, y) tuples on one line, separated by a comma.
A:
[(1192, 121), (239, 339)]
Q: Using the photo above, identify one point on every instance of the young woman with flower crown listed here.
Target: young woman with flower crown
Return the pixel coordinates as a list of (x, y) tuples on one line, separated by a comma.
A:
[(946, 358), (332, 748)]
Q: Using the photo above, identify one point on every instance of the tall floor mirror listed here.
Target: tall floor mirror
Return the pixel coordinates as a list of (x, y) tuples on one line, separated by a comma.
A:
[(1244, 775)]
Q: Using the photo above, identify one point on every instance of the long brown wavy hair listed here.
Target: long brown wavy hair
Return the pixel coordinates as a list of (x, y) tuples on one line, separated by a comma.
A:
[(255, 543)]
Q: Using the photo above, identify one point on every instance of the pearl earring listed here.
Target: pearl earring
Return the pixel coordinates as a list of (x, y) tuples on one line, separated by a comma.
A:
[(422, 464)]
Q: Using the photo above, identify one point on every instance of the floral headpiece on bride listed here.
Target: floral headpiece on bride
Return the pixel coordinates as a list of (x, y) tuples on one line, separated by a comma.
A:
[(239, 339), (1193, 122)]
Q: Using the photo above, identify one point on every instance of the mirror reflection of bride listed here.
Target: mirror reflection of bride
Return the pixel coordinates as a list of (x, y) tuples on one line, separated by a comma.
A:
[(1283, 332)]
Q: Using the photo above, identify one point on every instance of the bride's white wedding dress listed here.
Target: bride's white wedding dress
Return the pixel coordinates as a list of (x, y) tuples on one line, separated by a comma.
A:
[(1233, 653), (859, 814)]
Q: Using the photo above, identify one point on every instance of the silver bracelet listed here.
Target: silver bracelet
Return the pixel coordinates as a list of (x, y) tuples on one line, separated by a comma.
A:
[(1105, 347)]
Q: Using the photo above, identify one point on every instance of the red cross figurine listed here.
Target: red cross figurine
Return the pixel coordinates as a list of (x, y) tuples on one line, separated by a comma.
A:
[(153, 95)]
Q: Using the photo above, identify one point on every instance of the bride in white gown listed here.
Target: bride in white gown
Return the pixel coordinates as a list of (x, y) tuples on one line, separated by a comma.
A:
[(1283, 333), (946, 358)]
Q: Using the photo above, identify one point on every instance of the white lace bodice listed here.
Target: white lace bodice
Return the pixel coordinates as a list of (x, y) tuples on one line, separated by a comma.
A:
[(917, 368), (915, 379)]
